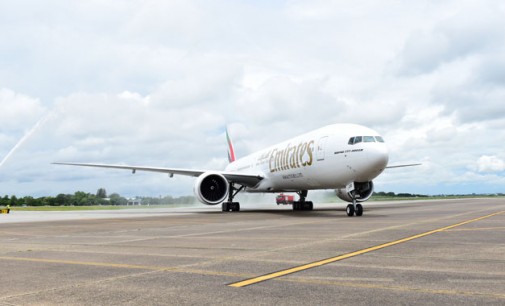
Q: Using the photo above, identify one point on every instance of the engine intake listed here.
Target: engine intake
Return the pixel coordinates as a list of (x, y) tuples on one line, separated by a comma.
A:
[(363, 192), (211, 188)]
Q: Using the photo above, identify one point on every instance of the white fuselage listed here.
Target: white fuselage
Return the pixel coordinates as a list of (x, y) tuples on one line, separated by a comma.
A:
[(321, 159)]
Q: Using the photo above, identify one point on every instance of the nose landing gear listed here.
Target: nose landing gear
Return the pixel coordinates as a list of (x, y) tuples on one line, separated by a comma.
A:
[(355, 208)]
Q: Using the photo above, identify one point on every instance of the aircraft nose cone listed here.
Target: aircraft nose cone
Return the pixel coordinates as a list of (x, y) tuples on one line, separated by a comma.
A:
[(375, 162), (383, 157), (379, 158)]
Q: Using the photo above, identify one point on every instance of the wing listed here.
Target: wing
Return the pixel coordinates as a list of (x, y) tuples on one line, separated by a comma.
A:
[(401, 166), (246, 179)]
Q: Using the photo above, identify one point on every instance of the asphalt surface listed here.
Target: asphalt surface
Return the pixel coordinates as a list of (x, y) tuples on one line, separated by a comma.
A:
[(408, 253)]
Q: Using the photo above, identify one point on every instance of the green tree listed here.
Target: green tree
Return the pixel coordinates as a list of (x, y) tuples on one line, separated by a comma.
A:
[(79, 198), (30, 201), (14, 201), (62, 200), (116, 199), (49, 201), (5, 201), (101, 193)]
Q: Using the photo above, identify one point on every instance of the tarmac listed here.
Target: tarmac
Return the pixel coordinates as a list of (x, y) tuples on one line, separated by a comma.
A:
[(398, 253)]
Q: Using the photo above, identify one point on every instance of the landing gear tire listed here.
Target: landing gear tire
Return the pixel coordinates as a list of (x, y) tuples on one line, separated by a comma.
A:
[(308, 205), (359, 210), (350, 210), (224, 206), (230, 206), (296, 205), (235, 206)]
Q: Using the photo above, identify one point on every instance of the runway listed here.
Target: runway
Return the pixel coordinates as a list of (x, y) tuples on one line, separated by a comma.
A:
[(415, 253)]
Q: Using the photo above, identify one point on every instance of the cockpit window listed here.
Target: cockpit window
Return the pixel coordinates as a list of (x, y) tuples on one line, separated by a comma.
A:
[(357, 139)]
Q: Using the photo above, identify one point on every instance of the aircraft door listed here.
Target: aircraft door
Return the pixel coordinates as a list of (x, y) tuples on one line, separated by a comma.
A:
[(321, 145)]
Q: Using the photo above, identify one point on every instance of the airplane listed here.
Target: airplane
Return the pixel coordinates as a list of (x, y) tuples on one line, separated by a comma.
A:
[(344, 157)]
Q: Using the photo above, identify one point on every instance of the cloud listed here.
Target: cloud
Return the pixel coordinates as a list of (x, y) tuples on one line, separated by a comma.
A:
[(460, 34), (18, 110), (281, 99), (490, 164)]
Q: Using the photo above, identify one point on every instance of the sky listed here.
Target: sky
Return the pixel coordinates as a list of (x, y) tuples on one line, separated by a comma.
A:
[(156, 82)]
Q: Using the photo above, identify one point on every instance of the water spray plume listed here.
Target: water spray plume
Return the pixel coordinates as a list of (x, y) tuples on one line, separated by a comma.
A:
[(23, 139)]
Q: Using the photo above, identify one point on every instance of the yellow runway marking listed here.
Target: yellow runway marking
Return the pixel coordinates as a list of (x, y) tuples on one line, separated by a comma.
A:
[(319, 263)]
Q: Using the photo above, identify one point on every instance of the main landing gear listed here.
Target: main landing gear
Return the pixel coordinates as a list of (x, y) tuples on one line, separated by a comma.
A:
[(302, 204), (230, 205)]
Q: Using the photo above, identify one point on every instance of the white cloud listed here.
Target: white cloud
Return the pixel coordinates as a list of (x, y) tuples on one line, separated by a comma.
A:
[(461, 33), (18, 110), (490, 164)]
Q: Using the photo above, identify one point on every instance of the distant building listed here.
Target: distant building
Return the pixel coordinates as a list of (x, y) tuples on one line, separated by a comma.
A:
[(134, 202)]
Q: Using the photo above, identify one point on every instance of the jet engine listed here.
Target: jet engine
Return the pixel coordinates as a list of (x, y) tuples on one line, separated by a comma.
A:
[(211, 188), (362, 191)]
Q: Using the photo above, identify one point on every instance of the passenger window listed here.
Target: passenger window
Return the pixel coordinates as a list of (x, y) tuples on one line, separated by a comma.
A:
[(369, 139), (357, 139), (379, 138), (351, 141)]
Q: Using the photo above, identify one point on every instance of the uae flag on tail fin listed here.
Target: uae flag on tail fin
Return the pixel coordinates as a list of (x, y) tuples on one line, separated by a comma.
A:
[(231, 151)]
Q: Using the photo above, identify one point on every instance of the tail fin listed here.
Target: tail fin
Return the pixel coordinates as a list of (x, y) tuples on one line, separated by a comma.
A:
[(231, 150)]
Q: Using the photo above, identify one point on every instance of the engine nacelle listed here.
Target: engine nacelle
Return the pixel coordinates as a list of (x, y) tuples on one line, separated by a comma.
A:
[(211, 188), (363, 192)]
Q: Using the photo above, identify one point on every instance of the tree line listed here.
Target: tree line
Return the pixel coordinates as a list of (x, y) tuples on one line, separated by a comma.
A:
[(81, 198), (399, 195)]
